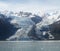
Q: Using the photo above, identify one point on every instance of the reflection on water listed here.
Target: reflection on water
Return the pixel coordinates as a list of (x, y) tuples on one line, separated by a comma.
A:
[(30, 46)]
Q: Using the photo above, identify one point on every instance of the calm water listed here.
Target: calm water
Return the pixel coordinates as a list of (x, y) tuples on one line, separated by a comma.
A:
[(30, 46)]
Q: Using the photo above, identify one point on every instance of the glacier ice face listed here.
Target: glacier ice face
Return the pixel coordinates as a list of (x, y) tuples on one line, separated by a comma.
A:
[(24, 25)]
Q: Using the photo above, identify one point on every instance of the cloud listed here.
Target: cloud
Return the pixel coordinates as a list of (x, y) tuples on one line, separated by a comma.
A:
[(3, 6), (28, 5)]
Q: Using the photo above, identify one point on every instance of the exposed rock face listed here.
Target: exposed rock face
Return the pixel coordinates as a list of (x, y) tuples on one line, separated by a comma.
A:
[(55, 29), (6, 29), (36, 19)]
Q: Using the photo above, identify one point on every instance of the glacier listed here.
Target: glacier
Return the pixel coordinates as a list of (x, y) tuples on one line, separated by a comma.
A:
[(16, 26)]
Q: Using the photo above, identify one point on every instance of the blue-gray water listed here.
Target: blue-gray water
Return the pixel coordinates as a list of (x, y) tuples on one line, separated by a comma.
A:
[(30, 46)]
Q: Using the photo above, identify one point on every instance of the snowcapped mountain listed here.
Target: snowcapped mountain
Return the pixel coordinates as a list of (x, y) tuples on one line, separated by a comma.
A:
[(49, 18), (21, 25)]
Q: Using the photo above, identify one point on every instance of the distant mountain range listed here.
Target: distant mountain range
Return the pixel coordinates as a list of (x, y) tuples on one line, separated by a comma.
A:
[(16, 26)]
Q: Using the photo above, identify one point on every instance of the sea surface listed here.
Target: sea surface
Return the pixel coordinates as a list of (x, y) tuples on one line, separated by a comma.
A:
[(29, 45)]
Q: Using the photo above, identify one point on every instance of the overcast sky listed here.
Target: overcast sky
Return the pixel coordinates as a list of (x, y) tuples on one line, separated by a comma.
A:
[(29, 5)]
